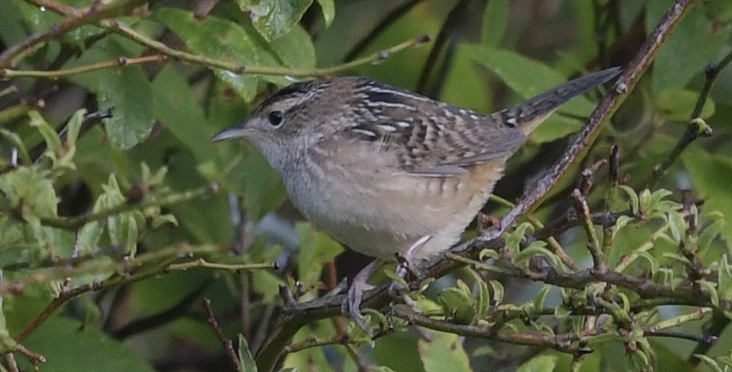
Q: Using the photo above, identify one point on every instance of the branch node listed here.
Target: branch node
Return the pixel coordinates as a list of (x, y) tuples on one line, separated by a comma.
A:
[(423, 39)]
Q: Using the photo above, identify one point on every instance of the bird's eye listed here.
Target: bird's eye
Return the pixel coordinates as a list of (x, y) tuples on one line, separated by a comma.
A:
[(276, 118)]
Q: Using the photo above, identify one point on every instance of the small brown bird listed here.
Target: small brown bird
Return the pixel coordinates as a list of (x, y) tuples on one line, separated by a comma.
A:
[(386, 171)]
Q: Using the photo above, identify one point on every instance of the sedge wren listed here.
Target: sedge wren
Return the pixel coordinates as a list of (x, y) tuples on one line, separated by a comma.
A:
[(386, 171)]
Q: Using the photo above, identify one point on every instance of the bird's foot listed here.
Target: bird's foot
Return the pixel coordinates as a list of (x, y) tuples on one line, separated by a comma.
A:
[(352, 306)]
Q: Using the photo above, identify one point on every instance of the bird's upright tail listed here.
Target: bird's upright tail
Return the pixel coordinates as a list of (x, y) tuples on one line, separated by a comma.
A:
[(529, 114)]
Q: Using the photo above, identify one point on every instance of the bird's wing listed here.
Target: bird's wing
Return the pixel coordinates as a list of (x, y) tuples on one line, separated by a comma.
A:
[(429, 138)]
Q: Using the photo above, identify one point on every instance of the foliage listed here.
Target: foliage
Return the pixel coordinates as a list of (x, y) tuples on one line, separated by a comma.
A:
[(117, 215)]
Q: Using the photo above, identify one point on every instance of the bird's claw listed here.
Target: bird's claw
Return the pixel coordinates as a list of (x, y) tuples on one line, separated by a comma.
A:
[(352, 305)]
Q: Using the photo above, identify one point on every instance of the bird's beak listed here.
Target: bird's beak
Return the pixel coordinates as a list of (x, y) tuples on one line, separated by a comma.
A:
[(234, 132)]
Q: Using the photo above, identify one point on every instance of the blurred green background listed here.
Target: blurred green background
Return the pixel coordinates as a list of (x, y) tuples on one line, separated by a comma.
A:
[(485, 55)]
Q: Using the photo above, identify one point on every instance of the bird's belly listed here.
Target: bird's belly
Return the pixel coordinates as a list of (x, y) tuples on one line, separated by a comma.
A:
[(380, 214)]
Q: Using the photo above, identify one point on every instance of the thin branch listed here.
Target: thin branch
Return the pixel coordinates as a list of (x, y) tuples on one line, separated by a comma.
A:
[(10, 362), (73, 223), (561, 342), (703, 339), (713, 328), (228, 345), (313, 341), (593, 242), (118, 27), (128, 265), (553, 243), (359, 359), (571, 219), (201, 262), (55, 6), (69, 294), (246, 307), (697, 126), (681, 319), (609, 104), (117, 62), (16, 111), (645, 288), (649, 244), (161, 318), (35, 358), (75, 18)]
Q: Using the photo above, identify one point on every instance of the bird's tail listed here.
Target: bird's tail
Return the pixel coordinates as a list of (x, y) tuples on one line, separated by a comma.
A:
[(529, 114)]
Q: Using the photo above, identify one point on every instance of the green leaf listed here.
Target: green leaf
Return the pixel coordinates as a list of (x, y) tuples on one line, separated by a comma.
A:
[(724, 278), (458, 304), (709, 362), (711, 289), (74, 126), (13, 30), (15, 141), (60, 340), (34, 18), (541, 363), (540, 299), (513, 239), (495, 22), (381, 369), (7, 343), (444, 352), (310, 359), (391, 274), (678, 104), (328, 7), (484, 296), (710, 233), (488, 253), (633, 196), (316, 249), (468, 93), (562, 312), (719, 10), (711, 175), (266, 284), (122, 228), (536, 248), (245, 356), (652, 262), (511, 68), (89, 236), (176, 107), (497, 291), (274, 18), (295, 48), (694, 43), (54, 148), (677, 225), (127, 91), (31, 190), (220, 39)]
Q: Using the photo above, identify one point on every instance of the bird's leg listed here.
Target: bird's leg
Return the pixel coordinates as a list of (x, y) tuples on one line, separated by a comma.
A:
[(404, 260), (352, 305), (403, 267)]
